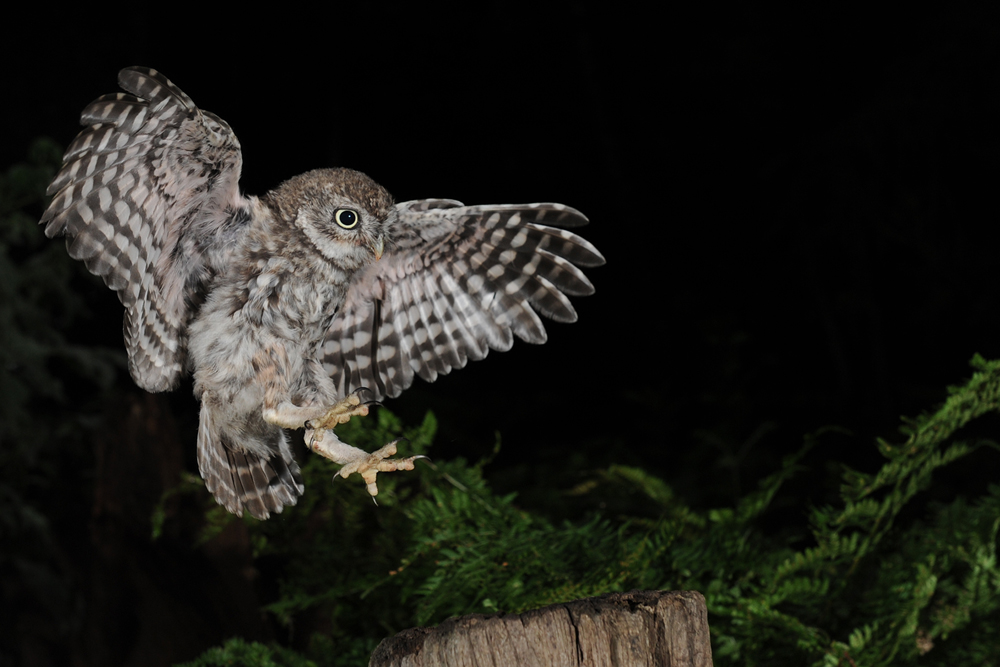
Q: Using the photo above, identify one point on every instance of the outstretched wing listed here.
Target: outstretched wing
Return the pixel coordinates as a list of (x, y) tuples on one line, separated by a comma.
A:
[(456, 281), (148, 199)]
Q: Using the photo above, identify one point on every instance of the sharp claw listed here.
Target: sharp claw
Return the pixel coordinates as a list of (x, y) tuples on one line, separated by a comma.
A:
[(378, 461), (374, 401), (339, 413)]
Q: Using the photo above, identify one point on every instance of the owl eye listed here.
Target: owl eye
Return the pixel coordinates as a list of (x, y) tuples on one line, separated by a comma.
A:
[(346, 218)]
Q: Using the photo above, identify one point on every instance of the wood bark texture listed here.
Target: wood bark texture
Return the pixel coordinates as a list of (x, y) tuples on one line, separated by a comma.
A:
[(635, 629)]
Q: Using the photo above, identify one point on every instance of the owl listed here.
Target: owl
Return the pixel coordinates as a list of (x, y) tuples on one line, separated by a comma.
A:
[(300, 308)]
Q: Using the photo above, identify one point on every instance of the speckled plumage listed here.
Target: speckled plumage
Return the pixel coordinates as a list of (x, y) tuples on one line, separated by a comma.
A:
[(284, 305)]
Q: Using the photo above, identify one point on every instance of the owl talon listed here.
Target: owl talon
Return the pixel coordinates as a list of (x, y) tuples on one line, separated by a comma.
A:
[(370, 465), (340, 413), (370, 403)]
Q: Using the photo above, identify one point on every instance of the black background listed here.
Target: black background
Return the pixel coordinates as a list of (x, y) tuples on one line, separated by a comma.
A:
[(797, 209)]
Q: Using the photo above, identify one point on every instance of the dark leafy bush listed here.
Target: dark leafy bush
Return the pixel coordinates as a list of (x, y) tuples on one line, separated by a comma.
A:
[(885, 575)]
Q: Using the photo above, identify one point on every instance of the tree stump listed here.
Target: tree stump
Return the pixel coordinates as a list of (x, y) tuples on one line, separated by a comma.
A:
[(639, 628)]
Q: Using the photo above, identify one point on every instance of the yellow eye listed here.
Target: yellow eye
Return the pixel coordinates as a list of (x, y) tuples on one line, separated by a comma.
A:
[(346, 218)]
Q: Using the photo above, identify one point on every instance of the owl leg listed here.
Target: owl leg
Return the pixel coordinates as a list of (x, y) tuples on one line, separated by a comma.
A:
[(289, 415), (352, 459), (355, 460)]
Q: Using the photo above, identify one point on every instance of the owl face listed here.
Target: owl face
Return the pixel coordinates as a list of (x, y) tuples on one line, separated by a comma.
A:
[(343, 213), (343, 230)]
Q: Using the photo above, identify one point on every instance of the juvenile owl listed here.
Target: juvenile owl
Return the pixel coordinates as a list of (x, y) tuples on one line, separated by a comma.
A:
[(298, 308)]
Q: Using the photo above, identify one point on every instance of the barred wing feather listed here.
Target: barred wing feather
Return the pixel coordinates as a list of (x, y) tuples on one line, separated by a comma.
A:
[(455, 282), (147, 192)]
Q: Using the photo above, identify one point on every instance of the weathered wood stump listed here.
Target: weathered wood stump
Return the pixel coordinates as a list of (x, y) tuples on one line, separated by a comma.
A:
[(639, 628)]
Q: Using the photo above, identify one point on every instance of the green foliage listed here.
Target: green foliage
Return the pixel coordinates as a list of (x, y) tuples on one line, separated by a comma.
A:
[(251, 654), (37, 300), (886, 575), (892, 568), (47, 386)]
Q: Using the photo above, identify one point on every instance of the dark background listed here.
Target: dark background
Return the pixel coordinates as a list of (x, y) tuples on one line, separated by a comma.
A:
[(797, 209)]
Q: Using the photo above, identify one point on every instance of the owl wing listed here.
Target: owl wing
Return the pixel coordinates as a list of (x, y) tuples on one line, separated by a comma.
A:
[(148, 198), (456, 281)]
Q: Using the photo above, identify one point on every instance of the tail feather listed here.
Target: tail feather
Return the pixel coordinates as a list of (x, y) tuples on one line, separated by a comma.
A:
[(243, 480)]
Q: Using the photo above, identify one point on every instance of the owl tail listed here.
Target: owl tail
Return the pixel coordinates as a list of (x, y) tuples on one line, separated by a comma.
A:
[(240, 479)]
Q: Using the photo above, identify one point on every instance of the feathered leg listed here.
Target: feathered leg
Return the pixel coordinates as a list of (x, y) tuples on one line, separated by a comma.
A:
[(314, 392)]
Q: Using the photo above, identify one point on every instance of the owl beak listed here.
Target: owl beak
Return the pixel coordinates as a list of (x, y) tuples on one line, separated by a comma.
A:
[(377, 246)]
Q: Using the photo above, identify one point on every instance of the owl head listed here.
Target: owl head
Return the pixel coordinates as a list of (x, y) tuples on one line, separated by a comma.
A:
[(343, 213)]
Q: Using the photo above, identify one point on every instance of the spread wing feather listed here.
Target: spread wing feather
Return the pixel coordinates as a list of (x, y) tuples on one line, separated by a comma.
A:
[(147, 197), (455, 282)]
